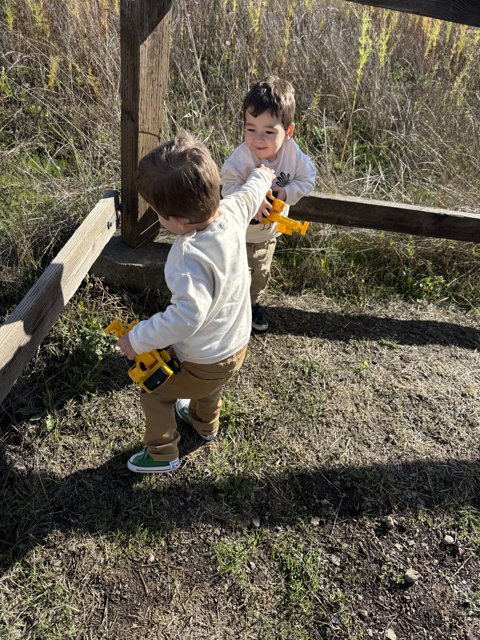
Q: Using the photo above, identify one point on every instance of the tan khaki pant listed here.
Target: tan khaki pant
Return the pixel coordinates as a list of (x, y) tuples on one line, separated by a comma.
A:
[(260, 256), (202, 383)]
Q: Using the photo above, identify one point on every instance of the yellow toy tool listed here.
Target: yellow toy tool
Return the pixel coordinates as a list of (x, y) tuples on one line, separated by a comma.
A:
[(150, 369), (285, 225)]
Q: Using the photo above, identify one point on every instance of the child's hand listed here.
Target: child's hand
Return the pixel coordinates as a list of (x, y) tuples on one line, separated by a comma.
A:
[(264, 210), (124, 344), (270, 172)]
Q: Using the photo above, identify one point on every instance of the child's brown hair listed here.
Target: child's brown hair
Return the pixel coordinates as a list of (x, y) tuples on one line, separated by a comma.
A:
[(180, 179), (271, 94)]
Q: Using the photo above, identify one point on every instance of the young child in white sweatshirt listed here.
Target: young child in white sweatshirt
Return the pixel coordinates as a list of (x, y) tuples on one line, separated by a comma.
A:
[(208, 321), (268, 114)]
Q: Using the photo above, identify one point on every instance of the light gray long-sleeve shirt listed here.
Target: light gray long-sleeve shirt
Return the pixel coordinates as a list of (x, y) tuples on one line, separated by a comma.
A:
[(294, 170), (209, 316)]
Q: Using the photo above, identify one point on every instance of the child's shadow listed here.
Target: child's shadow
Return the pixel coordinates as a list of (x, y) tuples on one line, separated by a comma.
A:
[(190, 441)]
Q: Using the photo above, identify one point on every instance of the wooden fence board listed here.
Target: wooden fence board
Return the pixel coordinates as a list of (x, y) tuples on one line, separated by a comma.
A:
[(33, 318), (462, 11), (388, 216)]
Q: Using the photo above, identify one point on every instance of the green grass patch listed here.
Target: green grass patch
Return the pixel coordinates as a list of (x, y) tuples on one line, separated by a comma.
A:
[(310, 589), (236, 460), (358, 266), (40, 603), (233, 556), (137, 541)]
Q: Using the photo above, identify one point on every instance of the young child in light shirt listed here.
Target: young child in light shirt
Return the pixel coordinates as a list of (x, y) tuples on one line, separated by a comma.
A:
[(268, 114), (208, 321)]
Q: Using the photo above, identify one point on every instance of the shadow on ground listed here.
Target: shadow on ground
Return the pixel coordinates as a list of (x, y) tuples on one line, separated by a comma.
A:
[(110, 499), (344, 327)]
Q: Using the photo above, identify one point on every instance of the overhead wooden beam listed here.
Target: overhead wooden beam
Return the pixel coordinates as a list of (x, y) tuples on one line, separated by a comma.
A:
[(462, 11), (36, 314), (145, 28), (388, 216)]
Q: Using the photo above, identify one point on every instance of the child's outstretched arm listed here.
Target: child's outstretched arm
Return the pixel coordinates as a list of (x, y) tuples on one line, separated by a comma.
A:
[(265, 207), (253, 192)]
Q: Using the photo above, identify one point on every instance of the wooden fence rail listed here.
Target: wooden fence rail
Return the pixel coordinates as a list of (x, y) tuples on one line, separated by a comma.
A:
[(36, 314), (462, 11), (388, 216)]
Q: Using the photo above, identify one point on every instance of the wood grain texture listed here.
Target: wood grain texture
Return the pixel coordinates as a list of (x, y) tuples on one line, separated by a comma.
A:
[(145, 30), (388, 216), (36, 314), (464, 12)]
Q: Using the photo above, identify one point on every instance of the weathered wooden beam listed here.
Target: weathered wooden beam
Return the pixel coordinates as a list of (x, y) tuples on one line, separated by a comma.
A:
[(33, 318), (388, 216), (462, 11), (145, 27)]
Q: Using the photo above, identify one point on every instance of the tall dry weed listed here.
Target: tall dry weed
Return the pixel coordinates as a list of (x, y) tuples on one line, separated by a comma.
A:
[(387, 103), (59, 126), (62, 63), (378, 92)]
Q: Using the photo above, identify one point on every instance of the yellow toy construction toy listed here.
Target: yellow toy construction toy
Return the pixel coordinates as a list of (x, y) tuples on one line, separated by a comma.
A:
[(150, 369), (285, 225)]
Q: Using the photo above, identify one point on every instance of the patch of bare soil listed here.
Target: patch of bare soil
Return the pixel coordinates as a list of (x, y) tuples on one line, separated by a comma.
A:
[(342, 500)]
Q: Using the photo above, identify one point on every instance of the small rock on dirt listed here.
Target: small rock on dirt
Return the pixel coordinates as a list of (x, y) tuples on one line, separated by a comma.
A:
[(411, 576)]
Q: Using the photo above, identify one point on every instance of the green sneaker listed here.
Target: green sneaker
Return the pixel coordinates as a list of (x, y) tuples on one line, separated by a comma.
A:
[(181, 409), (142, 462)]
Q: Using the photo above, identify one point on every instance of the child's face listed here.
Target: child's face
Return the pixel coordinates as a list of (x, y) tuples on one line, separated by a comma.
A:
[(265, 134)]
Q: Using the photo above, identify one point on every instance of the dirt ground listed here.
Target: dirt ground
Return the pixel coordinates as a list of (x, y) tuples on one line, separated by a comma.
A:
[(342, 500)]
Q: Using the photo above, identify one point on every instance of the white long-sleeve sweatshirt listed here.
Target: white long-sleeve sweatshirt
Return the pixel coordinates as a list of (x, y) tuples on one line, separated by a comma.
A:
[(209, 315), (294, 170)]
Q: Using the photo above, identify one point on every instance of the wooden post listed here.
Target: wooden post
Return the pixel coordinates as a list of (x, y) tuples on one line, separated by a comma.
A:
[(462, 11), (145, 27)]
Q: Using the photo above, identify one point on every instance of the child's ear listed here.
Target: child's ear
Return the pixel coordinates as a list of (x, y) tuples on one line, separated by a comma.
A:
[(289, 131)]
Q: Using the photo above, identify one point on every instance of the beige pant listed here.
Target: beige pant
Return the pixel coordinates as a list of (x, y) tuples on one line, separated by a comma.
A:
[(260, 256), (202, 383)]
